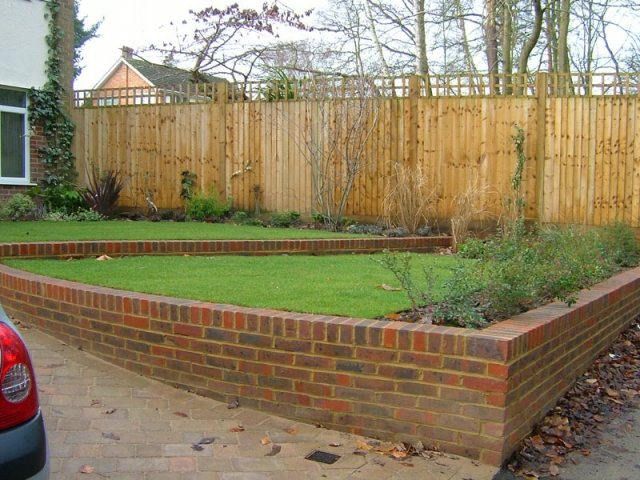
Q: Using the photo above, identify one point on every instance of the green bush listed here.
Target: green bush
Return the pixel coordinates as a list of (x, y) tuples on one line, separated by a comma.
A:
[(243, 218), (517, 270), (207, 206), (63, 198), (81, 216), (18, 207), (285, 219)]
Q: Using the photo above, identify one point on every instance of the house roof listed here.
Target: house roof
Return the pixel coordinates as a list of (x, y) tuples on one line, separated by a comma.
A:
[(154, 74), (160, 75)]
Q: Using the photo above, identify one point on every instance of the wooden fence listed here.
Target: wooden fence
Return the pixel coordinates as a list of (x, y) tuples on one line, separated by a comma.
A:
[(251, 140)]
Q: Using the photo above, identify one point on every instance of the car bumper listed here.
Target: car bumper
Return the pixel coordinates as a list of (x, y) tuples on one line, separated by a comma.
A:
[(23, 451)]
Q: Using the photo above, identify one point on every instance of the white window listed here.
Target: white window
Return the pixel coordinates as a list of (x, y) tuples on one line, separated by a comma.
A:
[(14, 138)]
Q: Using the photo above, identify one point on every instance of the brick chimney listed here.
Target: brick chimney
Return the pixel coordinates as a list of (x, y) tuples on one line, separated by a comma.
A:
[(127, 53)]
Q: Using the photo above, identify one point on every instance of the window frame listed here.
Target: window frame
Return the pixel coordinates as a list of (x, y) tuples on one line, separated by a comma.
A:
[(26, 180)]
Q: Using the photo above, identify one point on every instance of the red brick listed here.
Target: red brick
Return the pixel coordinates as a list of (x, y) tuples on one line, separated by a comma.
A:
[(188, 330), (485, 384), (417, 416), (333, 405)]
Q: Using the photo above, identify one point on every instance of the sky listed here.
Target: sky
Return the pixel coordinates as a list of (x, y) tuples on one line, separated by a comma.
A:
[(139, 23)]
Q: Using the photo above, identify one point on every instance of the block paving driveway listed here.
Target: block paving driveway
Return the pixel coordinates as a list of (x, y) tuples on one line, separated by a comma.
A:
[(106, 422)]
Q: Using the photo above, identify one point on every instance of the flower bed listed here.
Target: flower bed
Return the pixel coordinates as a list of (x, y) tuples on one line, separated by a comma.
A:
[(469, 392)]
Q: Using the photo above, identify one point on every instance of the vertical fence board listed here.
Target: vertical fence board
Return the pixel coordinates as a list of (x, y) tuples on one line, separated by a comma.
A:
[(583, 159)]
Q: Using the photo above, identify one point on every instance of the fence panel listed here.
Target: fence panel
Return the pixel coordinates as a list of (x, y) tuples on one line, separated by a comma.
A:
[(582, 137)]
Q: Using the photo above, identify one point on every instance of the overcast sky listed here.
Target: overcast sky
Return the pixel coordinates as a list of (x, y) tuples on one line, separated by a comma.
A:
[(137, 24)]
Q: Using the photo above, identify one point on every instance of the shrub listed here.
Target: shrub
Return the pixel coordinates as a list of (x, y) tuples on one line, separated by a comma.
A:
[(207, 206), (285, 219), (517, 270), (81, 216), (364, 228), (103, 191), (63, 198), (396, 232), (243, 218), (18, 207)]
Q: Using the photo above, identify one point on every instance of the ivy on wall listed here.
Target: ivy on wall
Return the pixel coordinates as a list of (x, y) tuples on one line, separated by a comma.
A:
[(46, 105)]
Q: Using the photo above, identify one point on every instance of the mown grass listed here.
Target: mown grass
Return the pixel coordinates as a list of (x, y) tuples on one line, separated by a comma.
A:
[(123, 230), (345, 285)]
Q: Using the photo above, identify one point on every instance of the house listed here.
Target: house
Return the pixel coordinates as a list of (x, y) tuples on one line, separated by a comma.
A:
[(135, 81), (23, 56)]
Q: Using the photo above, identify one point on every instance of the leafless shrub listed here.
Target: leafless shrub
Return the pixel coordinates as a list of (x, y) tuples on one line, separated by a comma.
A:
[(409, 198), (467, 206)]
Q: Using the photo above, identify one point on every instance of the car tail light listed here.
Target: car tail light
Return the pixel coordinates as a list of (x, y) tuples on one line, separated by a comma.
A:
[(18, 394)]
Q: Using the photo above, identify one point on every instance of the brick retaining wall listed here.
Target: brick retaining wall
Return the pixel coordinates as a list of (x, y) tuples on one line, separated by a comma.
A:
[(473, 393)]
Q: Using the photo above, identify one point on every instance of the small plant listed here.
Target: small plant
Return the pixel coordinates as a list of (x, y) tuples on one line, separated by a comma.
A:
[(242, 218), (396, 232), (285, 219), (63, 198), (400, 265), (19, 207), (364, 228), (515, 203), (207, 206), (103, 191), (187, 184), (81, 216)]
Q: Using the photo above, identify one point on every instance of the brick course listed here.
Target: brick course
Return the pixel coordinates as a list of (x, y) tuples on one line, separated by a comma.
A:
[(473, 393)]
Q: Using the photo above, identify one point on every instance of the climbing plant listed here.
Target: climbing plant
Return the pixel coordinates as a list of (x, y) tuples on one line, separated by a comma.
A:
[(46, 107)]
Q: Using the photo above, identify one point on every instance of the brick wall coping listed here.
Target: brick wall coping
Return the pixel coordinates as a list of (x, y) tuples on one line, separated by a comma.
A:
[(221, 247), (473, 393)]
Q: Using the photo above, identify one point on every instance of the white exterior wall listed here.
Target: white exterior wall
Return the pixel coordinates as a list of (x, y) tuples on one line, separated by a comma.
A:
[(23, 48)]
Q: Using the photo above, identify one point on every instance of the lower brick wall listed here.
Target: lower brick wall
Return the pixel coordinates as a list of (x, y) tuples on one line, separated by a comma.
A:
[(473, 393)]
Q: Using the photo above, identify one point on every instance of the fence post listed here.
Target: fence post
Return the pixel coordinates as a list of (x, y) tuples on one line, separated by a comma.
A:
[(414, 97), (224, 188), (542, 83)]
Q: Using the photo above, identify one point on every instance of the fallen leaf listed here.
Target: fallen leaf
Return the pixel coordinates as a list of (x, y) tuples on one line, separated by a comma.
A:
[(362, 445), (112, 436), (275, 449), (87, 469), (388, 288), (292, 431), (95, 401), (265, 440), (335, 444), (233, 404), (197, 448), (554, 470), (378, 461), (207, 441), (180, 414), (612, 393), (237, 429), (104, 257), (110, 411)]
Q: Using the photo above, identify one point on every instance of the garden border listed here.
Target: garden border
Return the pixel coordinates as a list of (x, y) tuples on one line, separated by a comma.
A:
[(472, 393)]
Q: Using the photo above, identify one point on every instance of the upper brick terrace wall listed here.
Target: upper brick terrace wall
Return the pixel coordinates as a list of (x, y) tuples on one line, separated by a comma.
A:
[(474, 393)]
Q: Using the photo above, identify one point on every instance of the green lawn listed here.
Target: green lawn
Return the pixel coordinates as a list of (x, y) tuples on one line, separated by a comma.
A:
[(122, 230), (333, 285)]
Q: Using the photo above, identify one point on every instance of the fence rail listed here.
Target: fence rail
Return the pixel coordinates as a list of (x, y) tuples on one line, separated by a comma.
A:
[(582, 142), (458, 85)]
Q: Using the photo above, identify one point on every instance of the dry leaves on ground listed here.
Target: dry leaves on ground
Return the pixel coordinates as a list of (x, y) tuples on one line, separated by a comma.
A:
[(609, 387), (398, 451), (275, 449)]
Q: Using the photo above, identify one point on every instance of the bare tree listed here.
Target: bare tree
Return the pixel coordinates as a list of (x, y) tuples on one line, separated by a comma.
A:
[(219, 42), (336, 143)]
